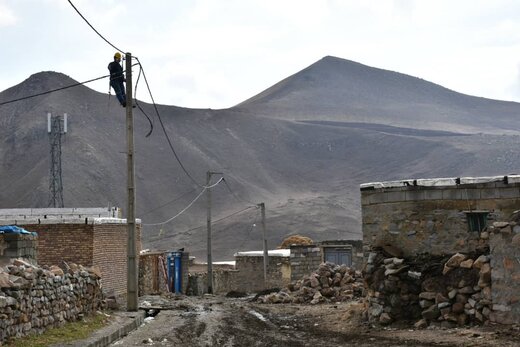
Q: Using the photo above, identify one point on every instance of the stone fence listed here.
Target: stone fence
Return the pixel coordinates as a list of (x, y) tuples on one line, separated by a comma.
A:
[(33, 299)]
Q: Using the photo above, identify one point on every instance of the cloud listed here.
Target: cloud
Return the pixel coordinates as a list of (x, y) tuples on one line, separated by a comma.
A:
[(7, 17)]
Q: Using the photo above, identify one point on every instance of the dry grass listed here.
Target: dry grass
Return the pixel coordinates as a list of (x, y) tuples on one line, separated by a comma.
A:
[(69, 332)]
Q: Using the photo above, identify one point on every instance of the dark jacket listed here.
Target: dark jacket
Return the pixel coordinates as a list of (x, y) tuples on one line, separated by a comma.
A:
[(116, 73)]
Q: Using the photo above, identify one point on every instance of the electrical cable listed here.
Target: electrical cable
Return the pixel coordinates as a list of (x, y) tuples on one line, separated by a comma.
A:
[(97, 32), (178, 214), (236, 196), (167, 203), (164, 130), (52, 91), (139, 105), (187, 207), (216, 221)]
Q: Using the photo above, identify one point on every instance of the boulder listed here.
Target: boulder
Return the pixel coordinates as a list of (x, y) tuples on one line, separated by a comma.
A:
[(456, 259)]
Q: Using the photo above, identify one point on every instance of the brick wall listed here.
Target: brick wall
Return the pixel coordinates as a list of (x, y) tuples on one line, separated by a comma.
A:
[(64, 242), (110, 255), (88, 244)]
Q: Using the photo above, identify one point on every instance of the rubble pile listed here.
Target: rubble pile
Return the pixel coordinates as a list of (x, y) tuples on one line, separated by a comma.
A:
[(33, 299), (330, 283), (436, 291)]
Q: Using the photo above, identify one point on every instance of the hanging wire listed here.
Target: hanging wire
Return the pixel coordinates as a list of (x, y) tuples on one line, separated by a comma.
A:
[(52, 91), (97, 32), (189, 205), (139, 105)]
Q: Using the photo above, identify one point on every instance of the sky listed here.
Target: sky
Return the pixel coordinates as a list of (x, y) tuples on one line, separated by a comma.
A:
[(218, 53)]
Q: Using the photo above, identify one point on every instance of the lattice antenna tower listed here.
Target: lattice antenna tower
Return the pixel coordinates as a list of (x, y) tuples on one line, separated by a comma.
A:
[(56, 127)]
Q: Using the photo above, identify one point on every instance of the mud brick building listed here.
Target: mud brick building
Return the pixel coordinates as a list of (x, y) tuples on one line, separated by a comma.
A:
[(441, 217), (438, 216), (85, 236)]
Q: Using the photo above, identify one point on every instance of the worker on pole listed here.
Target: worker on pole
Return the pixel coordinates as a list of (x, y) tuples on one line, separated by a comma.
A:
[(117, 79)]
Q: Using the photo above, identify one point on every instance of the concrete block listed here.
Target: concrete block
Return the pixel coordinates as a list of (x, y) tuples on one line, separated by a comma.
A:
[(489, 193), (471, 194), (414, 195), (433, 194), (509, 193), (452, 194), (378, 198), (395, 196)]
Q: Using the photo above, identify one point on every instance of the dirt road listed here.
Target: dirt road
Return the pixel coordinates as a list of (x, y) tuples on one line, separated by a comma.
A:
[(218, 321)]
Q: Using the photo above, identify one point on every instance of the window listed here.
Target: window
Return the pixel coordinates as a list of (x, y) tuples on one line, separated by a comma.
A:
[(477, 220)]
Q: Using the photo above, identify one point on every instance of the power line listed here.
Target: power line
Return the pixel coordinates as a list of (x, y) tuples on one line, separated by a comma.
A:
[(139, 105), (236, 196), (189, 205), (97, 32), (218, 220), (164, 129), (52, 91), (167, 203)]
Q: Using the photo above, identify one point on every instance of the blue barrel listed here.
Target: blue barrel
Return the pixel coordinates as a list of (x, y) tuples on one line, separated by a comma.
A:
[(177, 258)]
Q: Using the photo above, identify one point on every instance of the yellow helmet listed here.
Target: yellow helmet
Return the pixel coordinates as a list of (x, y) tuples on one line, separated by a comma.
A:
[(117, 55)]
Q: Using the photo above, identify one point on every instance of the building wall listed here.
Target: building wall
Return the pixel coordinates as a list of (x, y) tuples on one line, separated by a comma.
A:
[(304, 260), (110, 255), (64, 242), (505, 274), (250, 273), (18, 246), (89, 244), (432, 219)]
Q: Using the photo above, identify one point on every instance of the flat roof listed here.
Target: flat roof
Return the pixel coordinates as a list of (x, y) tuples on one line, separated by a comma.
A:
[(439, 182), (270, 253)]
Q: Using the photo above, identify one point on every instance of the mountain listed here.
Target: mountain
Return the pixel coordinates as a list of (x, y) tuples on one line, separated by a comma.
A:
[(336, 89), (302, 146)]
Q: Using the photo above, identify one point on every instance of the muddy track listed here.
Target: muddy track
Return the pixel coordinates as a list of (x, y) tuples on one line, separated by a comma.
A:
[(233, 322)]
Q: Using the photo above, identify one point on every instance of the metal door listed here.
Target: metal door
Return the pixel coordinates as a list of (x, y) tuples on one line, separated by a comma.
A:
[(338, 256)]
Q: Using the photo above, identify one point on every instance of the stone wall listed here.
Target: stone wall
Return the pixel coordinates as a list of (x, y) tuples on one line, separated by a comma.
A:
[(18, 246), (505, 275), (93, 242), (33, 299), (304, 260), (429, 216)]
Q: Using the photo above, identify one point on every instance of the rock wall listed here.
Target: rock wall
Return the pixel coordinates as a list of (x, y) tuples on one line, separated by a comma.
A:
[(429, 290), (33, 299), (504, 244), (433, 219)]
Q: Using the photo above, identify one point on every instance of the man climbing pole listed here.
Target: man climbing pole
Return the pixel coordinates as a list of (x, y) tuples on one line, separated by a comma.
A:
[(117, 79)]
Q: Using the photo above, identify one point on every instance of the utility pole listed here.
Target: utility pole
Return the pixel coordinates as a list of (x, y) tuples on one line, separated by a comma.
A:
[(266, 256), (56, 127), (131, 280), (210, 261)]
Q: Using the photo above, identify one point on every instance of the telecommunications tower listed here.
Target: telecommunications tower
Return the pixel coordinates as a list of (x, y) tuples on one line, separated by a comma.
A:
[(56, 127)]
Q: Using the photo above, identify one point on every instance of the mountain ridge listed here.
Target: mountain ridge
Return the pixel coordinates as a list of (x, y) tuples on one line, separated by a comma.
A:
[(307, 171)]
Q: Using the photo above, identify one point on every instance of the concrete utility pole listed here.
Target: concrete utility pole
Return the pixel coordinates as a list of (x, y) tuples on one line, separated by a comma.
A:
[(131, 281), (266, 256), (210, 261)]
